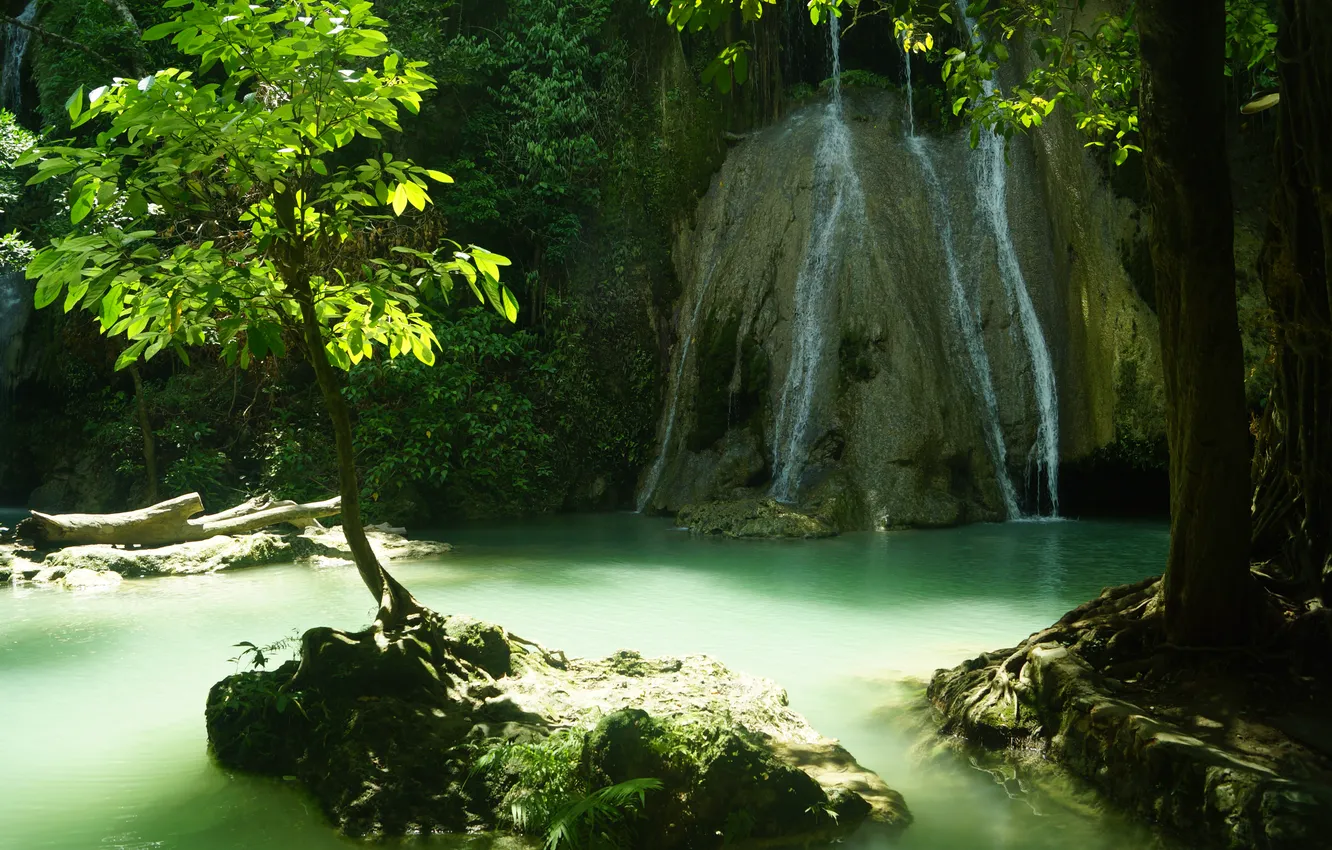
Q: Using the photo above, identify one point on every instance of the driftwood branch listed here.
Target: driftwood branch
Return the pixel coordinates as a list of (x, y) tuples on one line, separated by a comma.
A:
[(168, 522)]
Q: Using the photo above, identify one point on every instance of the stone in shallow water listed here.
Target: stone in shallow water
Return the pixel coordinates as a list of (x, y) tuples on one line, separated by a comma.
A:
[(752, 518), (1251, 779), (87, 579), (388, 735)]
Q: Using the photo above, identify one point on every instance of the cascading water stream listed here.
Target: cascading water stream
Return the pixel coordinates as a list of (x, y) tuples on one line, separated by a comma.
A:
[(992, 195), (676, 381), (968, 321), (838, 217), (16, 46)]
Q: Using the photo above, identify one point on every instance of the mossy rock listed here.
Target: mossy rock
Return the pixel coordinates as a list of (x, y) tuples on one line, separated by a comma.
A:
[(417, 733), (482, 644), (761, 518)]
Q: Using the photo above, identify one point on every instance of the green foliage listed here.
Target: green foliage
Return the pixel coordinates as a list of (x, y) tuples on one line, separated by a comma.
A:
[(535, 145), (593, 819), (855, 79), (14, 142), (257, 657), (15, 251), (1093, 69), (545, 793), (1251, 41), (256, 157), (598, 392), (58, 69), (197, 468), (467, 427)]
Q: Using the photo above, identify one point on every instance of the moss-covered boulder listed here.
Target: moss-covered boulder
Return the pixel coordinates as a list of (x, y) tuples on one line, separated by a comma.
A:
[(440, 729), (753, 517), (1218, 749)]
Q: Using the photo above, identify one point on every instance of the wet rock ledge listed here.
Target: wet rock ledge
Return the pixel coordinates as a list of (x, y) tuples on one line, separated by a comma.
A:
[(1215, 749), (753, 518), (103, 566), (484, 731)]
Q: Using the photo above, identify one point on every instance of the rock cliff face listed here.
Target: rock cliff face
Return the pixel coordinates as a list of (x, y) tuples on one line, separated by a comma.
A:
[(899, 433)]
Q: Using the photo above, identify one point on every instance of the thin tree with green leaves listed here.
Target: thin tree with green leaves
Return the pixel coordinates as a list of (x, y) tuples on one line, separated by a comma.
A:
[(242, 204)]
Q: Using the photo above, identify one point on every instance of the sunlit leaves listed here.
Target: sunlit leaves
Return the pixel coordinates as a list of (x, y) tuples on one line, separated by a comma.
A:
[(731, 66), (208, 206)]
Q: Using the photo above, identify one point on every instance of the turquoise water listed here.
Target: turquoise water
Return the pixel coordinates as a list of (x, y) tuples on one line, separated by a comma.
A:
[(101, 693)]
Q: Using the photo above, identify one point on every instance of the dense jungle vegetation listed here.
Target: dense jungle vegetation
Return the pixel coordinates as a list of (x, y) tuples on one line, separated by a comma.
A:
[(538, 121)]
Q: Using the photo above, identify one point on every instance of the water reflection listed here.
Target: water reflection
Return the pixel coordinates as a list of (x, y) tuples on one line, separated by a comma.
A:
[(103, 743)]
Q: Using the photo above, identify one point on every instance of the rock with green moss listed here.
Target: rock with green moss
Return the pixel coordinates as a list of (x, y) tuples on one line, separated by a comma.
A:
[(438, 729), (752, 517), (1224, 750)]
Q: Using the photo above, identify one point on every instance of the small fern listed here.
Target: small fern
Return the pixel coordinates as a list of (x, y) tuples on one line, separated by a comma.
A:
[(548, 796), (594, 814)]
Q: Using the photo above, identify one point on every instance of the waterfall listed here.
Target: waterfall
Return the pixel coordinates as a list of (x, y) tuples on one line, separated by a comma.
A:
[(910, 92), (839, 207), (687, 335), (992, 196), (968, 320), (16, 45)]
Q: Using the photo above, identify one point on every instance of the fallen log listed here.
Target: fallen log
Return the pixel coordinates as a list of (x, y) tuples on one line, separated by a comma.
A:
[(167, 522)]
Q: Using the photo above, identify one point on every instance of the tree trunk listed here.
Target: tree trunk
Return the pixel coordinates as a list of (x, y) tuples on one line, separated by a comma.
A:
[(167, 523), (1293, 458), (146, 428), (395, 602), (1183, 117)]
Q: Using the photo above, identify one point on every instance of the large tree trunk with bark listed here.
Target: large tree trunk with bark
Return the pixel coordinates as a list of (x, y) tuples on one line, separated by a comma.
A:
[(167, 523), (1292, 502), (1183, 116)]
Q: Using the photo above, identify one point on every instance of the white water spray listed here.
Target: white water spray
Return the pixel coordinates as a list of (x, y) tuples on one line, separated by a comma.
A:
[(16, 46), (838, 217), (968, 320), (992, 195)]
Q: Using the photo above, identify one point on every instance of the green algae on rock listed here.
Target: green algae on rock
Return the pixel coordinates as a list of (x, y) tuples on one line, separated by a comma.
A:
[(1221, 749), (402, 735), (752, 518)]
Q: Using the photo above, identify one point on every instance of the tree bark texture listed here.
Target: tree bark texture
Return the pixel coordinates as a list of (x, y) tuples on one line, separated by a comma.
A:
[(1183, 118), (1292, 501), (395, 601), (167, 522)]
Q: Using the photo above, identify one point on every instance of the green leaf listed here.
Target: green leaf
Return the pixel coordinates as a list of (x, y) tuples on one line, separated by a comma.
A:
[(439, 176), (130, 355), (400, 199), (83, 203), (161, 30), (510, 305), (415, 195), (74, 106)]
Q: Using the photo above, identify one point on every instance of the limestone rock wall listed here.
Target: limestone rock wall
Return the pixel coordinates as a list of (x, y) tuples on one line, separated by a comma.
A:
[(899, 431), (899, 435)]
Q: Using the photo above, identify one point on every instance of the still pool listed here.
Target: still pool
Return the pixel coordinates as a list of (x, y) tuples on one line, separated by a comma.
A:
[(101, 693)]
